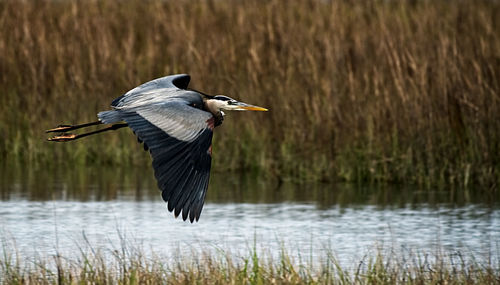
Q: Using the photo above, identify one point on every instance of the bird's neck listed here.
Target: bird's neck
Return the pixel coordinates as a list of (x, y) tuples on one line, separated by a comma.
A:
[(212, 107)]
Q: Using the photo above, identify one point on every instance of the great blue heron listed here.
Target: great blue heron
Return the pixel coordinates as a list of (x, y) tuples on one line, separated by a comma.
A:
[(176, 125)]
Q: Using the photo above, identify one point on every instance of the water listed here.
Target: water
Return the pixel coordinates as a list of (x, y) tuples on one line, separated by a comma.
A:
[(52, 211)]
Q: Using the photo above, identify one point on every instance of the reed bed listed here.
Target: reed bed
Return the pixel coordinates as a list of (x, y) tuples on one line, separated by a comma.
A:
[(363, 91)]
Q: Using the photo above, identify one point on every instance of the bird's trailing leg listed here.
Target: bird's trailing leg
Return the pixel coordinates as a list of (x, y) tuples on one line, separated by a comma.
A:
[(71, 137), (65, 128)]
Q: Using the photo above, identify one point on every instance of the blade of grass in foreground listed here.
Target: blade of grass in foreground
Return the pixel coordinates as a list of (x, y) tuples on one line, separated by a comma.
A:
[(129, 263)]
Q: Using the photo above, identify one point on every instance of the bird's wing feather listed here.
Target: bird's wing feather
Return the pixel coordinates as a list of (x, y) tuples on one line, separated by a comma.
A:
[(179, 138), (171, 82)]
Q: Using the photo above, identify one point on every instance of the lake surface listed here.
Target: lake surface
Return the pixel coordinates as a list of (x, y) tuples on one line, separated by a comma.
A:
[(48, 211)]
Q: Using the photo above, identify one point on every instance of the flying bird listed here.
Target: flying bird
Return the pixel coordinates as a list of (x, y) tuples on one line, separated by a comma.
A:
[(176, 125)]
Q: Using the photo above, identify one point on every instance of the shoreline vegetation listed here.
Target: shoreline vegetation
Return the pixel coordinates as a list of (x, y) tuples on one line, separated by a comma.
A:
[(130, 263), (372, 91)]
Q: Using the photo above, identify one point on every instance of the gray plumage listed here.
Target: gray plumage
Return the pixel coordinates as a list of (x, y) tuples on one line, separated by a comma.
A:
[(177, 134), (176, 126)]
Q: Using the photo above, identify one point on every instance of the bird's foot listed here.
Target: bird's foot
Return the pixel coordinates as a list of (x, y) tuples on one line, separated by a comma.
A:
[(63, 138), (60, 128)]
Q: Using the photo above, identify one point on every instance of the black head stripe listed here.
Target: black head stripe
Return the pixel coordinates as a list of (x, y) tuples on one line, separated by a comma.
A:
[(222, 98)]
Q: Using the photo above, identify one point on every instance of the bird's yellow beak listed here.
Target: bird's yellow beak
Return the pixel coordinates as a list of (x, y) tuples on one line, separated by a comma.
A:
[(247, 107), (253, 108)]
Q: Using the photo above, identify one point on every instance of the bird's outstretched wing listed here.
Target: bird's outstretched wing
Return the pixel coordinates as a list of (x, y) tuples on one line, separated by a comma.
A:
[(171, 82), (179, 138)]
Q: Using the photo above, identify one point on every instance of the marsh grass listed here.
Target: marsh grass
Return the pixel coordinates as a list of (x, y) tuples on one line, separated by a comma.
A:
[(128, 263), (363, 91)]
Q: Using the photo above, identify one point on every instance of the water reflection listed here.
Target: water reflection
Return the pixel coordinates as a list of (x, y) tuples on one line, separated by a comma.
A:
[(138, 183)]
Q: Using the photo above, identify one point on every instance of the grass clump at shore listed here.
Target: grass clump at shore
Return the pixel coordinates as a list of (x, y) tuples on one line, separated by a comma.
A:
[(129, 264), (398, 91)]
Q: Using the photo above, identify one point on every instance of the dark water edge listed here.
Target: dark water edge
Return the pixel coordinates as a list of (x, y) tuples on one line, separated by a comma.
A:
[(137, 184)]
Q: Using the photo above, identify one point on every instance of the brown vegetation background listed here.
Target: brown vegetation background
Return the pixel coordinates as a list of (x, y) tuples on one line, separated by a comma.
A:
[(399, 91)]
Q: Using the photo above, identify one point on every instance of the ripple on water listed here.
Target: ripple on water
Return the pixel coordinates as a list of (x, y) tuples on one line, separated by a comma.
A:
[(43, 227)]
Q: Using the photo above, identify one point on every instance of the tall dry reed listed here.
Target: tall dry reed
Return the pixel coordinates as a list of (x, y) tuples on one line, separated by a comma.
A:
[(403, 91)]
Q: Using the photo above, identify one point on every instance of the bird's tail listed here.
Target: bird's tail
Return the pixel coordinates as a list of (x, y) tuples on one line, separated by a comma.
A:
[(109, 117)]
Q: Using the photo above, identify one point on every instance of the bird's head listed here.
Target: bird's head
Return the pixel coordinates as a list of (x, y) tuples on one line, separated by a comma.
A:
[(221, 102)]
